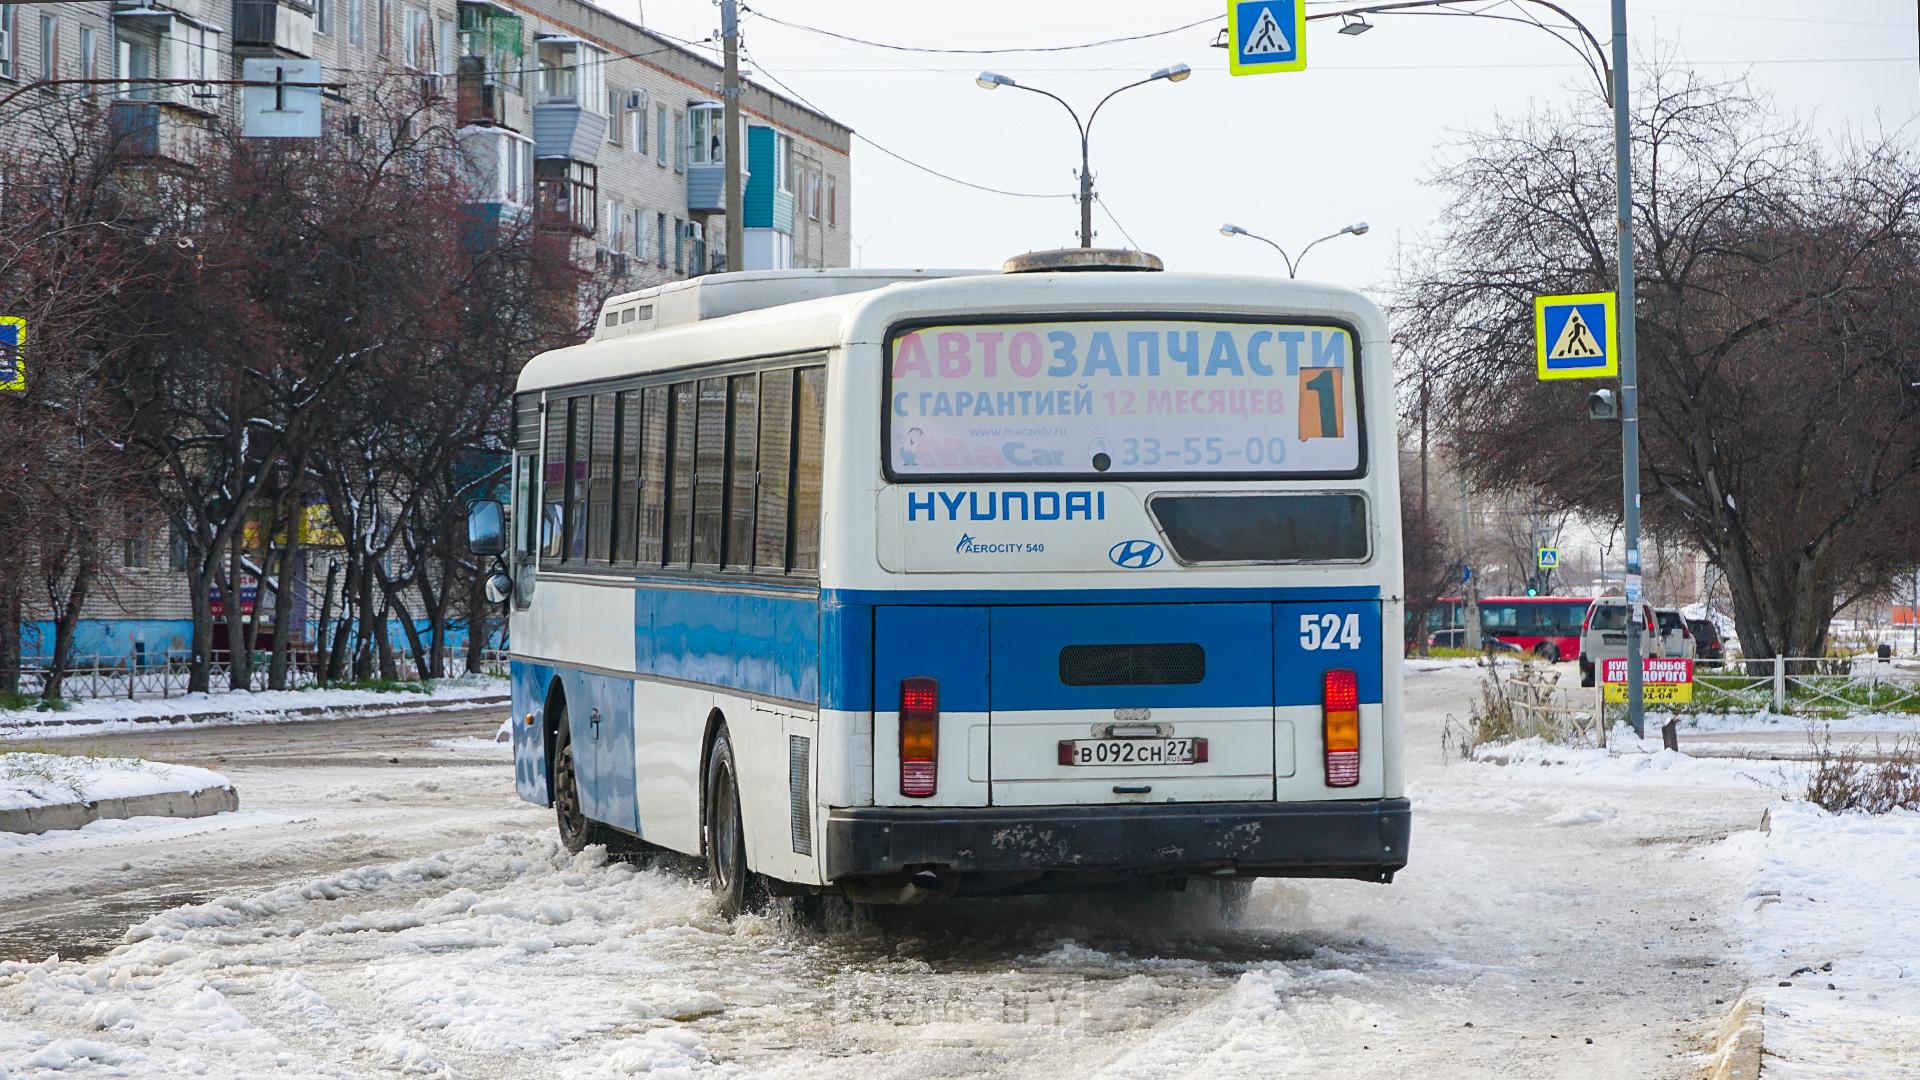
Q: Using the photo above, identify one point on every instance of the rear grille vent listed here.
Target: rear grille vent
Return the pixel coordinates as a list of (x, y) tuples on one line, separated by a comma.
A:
[(1133, 665), (800, 798)]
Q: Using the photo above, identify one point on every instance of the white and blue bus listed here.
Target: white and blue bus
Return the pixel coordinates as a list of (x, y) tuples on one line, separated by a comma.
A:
[(895, 584)]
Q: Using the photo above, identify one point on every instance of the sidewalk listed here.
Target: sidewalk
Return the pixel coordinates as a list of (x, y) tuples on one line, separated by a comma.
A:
[(42, 792), (100, 715)]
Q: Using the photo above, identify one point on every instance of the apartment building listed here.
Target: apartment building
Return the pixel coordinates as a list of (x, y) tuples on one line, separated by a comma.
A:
[(589, 122)]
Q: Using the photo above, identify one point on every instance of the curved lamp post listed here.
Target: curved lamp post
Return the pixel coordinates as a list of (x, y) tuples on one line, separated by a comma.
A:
[(990, 80), (1358, 228)]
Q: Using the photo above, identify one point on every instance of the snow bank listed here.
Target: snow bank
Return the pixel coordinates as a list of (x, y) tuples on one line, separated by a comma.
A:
[(1830, 914), (1636, 764), (32, 780), (1428, 663), (95, 716)]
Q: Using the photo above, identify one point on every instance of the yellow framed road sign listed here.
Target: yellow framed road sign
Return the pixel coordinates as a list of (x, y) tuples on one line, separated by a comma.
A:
[(13, 352), (1265, 36), (1576, 336), (1651, 693)]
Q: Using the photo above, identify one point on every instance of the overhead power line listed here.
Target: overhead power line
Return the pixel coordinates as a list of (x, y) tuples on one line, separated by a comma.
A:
[(761, 70), (823, 32)]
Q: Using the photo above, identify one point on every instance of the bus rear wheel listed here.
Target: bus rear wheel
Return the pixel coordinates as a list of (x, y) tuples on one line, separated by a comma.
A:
[(733, 884), (1548, 652)]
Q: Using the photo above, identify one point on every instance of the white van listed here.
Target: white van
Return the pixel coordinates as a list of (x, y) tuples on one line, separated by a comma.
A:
[(1603, 636)]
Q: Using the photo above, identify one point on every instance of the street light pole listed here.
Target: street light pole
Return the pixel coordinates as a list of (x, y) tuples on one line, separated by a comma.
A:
[(1358, 228), (1629, 384), (988, 80)]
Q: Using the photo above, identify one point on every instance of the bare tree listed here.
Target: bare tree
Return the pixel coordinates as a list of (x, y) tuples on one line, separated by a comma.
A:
[(1781, 416)]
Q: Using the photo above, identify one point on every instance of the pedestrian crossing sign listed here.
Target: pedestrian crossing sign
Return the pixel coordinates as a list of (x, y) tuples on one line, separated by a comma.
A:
[(1266, 35), (1575, 336), (1548, 558), (13, 352)]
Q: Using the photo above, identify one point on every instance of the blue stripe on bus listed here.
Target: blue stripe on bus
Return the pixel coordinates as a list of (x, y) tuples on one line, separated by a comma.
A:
[(530, 770), (1237, 639), (600, 722), (1298, 672), (751, 642), (944, 643), (1015, 597)]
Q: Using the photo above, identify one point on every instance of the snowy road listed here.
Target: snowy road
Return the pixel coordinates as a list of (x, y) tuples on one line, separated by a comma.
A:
[(1549, 925)]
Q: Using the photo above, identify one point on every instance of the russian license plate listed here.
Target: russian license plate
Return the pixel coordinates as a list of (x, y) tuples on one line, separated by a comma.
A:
[(1132, 751)]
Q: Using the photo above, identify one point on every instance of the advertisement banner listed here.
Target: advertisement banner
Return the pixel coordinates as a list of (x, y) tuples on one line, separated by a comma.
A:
[(1159, 398), (1663, 681)]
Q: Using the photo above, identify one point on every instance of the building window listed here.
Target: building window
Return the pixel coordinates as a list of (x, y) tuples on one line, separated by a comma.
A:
[(660, 134), (639, 234), (613, 117), (813, 194), (696, 248), (680, 144), (383, 31), (706, 127), (9, 19), (679, 246), (782, 163), (323, 16), (660, 240), (639, 119), (49, 47), (616, 227), (833, 204), (419, 39), (176, 550), (133, 552), (89, 55), (571, 73), (357, 21)]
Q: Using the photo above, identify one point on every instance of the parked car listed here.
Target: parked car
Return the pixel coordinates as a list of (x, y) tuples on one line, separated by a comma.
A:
[(1706, 639), (1456, 638), (1675, 639), (1603, 636)]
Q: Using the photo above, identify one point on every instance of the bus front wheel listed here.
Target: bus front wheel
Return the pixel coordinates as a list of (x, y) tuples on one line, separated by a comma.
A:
[(576, 832), (1548, 652), (732, 882)]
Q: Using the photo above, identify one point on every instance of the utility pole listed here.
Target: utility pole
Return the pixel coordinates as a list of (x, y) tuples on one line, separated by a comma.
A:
[(1629, 387), (730, 97), (1470, 588)]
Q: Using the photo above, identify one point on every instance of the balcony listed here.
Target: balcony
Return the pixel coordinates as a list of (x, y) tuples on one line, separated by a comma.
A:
[(149, 131), (484, 99), (567, 130), (285, 26)]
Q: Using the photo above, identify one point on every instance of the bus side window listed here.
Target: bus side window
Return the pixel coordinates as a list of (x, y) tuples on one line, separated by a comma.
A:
[(743, 412), (554, 480), (810, 445), (710, 473), (776, 472), (580, 411), (601, 503), (653, 476), (626, 486), (680, 477)]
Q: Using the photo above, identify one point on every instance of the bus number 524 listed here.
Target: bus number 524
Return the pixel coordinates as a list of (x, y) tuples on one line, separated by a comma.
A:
[(1329, 631)]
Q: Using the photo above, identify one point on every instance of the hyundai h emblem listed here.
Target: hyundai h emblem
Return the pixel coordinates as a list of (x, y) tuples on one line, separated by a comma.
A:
[(1135, 554)]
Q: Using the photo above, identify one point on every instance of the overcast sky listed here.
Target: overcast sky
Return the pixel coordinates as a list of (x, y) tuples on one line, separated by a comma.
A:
[(1291, 156)]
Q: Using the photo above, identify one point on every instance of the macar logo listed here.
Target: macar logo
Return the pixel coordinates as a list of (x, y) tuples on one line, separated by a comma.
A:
[(966, 543), (1135, 554)]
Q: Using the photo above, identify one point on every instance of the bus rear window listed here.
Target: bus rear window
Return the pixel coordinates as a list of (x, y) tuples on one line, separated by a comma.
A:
[(1264, 528), (1123, 398)]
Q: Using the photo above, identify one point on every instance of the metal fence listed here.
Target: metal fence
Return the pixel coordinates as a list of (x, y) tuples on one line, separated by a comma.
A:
[(1813, 686), (93, 677)]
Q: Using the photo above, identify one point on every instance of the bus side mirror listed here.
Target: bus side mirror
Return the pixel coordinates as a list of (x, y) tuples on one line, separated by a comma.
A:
[(486, 528), (499, 587)]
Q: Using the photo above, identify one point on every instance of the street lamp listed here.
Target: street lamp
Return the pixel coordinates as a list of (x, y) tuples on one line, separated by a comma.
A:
[(1358, 228), (991, 80)]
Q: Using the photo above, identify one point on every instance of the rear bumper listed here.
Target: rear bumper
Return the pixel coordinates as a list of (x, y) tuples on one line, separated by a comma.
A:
[(1365, 839)]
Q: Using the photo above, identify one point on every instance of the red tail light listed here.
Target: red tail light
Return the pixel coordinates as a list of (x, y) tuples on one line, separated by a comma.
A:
[(919, 736), (1340, 717)]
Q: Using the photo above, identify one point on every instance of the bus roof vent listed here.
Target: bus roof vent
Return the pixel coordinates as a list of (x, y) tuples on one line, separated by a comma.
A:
[(714, 296), (1071, 259)]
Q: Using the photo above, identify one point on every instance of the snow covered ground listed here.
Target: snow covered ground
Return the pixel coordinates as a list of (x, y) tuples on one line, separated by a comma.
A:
[(386, 907), (105, 715), (36, 779), (1829, 907)]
